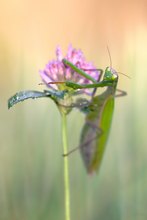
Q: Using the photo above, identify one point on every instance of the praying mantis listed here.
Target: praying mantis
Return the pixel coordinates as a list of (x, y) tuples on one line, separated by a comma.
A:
[(97, 124)]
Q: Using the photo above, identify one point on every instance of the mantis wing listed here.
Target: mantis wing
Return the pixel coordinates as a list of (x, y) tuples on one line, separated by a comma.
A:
[(95, 132)]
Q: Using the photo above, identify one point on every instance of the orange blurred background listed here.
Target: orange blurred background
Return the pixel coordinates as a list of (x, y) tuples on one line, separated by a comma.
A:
[(32, 29)]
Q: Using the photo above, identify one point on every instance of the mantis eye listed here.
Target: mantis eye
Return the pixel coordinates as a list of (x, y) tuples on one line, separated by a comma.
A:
[(113, 72), (114, 76)]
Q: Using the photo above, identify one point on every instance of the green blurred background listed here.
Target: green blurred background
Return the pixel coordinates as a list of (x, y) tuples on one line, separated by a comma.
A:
[(31, 163)]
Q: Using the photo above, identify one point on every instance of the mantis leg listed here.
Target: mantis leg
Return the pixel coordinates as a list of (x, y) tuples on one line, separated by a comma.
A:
[(121, 93), (99, 132), (94, 90)]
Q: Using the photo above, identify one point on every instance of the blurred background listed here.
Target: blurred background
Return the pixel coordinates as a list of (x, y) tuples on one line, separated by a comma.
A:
[(31, 162)]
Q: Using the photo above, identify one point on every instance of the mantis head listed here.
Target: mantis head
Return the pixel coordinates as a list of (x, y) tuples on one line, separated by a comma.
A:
[(110, 74)]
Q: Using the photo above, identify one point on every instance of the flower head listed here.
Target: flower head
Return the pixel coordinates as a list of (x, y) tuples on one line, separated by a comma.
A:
[(55, 70)]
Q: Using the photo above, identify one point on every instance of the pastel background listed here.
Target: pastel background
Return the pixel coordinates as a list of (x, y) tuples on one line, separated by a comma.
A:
[(31, 163)]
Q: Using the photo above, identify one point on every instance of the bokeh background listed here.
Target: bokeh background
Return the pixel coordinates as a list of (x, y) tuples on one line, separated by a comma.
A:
[(31, 163)]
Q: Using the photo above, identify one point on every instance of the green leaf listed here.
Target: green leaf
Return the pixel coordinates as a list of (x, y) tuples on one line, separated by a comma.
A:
[(55, 94), (23, 95)]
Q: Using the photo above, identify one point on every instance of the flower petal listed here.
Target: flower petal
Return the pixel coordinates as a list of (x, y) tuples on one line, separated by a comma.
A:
[(55, 70)]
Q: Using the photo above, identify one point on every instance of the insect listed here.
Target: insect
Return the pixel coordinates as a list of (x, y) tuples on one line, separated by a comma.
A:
[(99, 112), (98, 118), (97, 124)]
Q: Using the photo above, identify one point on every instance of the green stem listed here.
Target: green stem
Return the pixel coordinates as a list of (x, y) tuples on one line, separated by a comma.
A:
[(66, 168)]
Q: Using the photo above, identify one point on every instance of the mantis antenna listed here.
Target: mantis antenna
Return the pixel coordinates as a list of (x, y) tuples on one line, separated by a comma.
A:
[(109, 56), (111, 63)]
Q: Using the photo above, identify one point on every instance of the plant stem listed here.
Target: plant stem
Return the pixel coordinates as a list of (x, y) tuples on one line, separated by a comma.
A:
[(66, 168)]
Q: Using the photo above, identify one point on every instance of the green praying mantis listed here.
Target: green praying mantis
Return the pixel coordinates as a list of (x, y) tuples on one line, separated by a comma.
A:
[(98, 119)]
